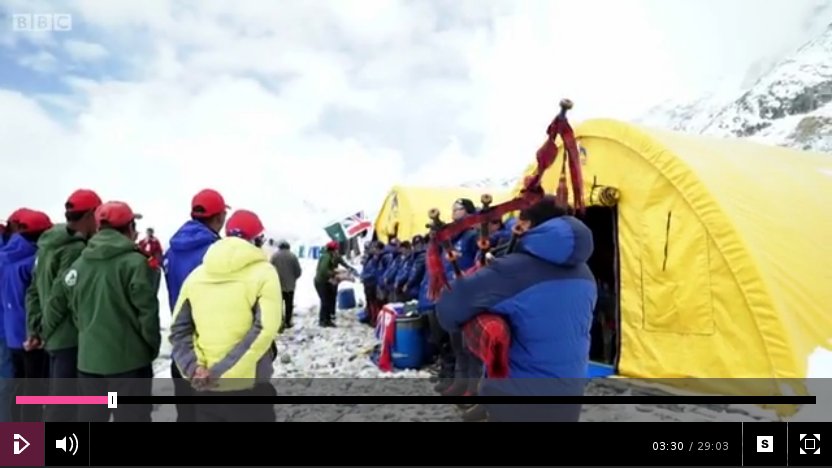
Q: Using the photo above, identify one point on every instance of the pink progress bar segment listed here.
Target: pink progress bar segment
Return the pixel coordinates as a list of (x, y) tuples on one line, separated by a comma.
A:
[(61, 400)]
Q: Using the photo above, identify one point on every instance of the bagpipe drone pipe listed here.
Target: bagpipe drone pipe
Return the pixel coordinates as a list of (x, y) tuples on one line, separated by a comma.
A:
[(442, 233)]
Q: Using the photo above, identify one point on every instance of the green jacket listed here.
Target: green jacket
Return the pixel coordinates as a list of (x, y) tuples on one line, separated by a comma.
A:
[(57, 249), (110, 293), (327, 264)]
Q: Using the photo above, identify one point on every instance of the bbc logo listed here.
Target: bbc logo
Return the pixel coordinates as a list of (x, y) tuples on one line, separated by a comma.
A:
[(42, 22)]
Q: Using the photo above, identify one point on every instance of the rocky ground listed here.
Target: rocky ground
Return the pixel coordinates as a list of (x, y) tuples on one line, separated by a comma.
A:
[(336, 361)]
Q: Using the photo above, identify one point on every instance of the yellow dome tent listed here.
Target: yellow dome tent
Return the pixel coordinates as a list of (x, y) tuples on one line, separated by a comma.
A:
[(405, 210), (724, 253)]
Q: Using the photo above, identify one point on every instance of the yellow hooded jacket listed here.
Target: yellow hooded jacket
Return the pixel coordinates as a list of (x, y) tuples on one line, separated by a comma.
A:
[(227, 316)]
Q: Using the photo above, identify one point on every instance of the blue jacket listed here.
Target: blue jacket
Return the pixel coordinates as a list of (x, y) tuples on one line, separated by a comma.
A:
[(368, 270), (392, 271), (465, 244), (415, 286), (404, 270), (384, 260), (187, 247), (18, 260), (547, 293), (500, 237)]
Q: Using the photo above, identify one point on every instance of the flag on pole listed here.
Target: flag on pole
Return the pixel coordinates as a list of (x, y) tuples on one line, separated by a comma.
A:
[(355, 224), (336, 232)]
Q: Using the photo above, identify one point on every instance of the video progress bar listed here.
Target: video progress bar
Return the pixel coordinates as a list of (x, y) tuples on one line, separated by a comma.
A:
[(438, 400), (110, 400)]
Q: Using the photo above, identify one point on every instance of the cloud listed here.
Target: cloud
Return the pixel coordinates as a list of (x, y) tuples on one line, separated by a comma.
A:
[(42, 62), (330, 103), (83, 51)]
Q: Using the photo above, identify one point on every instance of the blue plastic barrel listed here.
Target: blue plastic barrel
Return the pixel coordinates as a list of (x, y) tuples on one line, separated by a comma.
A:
[(346, 299), (409, 347)]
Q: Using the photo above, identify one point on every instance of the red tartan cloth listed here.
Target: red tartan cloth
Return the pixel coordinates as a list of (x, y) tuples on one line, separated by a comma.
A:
[(488, 337), (386, 331)]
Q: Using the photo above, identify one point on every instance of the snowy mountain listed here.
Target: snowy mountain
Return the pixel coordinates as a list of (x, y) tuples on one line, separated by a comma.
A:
[(790, 105), (682, 116)]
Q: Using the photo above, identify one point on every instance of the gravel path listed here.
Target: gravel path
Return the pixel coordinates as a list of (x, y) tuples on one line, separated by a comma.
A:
[(315, 360)]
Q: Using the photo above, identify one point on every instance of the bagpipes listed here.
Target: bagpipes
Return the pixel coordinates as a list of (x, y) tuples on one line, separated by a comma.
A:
[(441, 233)]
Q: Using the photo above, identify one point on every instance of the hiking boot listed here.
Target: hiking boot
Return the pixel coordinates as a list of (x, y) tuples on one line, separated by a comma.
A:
[(476, 413), (326, 324), (288, 325)]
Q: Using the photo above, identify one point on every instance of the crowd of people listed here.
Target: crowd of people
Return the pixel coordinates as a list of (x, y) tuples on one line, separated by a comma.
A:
[(80, 306), (81, 309), (542, 288)]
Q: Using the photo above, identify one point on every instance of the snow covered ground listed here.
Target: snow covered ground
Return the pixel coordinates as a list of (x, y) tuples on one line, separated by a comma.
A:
[(315, 360)]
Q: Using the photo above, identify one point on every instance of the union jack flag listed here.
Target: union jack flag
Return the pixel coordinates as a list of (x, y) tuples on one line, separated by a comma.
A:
[(356, 224)]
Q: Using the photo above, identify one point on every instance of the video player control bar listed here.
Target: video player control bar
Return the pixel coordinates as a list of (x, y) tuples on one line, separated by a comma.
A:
[(264, 444)]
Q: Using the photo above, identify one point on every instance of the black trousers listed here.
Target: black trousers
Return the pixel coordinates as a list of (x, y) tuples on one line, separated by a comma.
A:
[(137, 382), (441, 340), (31, 370), (328, 294), (182, 388), (468, 366), (288, 305), (63, 375), (257, 412)]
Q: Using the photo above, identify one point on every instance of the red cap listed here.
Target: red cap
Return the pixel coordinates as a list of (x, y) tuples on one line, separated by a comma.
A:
[(31, 221), (244, 224), (16, 214), (82, 200), (332, 245), (116, 214), (208, 203)]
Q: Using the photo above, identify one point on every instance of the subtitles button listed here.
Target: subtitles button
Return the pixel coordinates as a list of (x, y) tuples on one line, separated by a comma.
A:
[(765, 444)]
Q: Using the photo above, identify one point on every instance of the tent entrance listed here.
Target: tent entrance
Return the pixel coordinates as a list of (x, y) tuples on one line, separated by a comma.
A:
[(604, 263)]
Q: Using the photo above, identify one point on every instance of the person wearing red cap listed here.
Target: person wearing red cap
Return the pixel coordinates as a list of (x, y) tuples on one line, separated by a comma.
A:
[(326, 282), (58, 248), (226, 320), (110, 292), (187, 248), (17, 260)]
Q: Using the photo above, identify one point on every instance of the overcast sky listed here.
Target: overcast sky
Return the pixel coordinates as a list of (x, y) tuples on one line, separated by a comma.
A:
[(333, 102)]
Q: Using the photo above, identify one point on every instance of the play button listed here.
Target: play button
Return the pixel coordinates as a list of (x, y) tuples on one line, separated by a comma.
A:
[(20, 444)]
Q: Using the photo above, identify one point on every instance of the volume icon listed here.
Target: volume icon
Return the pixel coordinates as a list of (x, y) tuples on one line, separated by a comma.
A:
[(68, 444)]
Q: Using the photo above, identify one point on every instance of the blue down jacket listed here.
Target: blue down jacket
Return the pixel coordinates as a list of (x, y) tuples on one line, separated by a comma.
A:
[(368, 270), (546, 292), (187, 248), (384, 261), (17, 260), (389, 277), (404, 271)]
